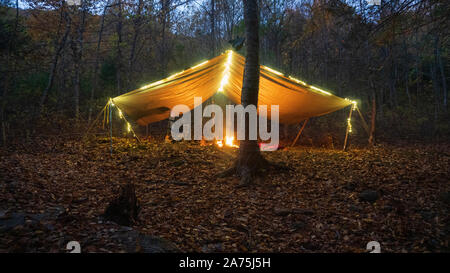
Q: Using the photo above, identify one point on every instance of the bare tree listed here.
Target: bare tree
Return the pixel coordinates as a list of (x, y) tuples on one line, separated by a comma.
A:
[(137, 28), (119, 46), (250, 161), (59, 46), (212, 17), (78, 55), (7, 74), (96, 62)]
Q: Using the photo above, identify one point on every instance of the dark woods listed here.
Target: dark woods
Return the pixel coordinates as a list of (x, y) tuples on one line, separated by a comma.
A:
[(62, 62)]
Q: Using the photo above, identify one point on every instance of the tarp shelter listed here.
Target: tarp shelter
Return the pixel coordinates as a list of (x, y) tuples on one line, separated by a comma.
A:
[(297, 100)]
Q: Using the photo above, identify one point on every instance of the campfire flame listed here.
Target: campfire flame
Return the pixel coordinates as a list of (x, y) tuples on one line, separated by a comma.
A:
[(229, 141)]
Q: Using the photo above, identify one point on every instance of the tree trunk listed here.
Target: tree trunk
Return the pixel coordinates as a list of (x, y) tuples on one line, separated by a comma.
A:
[(7, 75), (137, 28), (119, 48), (165, 9), (96, 64), (433, 73), (441, 70), (78, 54), (250, 159), (58, 50), (213, 29)]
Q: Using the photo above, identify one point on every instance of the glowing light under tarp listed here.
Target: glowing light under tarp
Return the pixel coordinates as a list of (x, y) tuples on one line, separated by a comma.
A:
[(229, 141)]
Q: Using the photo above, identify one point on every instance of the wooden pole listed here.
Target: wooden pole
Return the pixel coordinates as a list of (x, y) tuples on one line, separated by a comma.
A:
[(366, 127), (372, 127), (93, 123), (299, 133), (110, 126), (136, 137), (347, 132)]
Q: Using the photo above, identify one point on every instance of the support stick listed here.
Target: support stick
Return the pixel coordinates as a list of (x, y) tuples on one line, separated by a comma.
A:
[(372, 127), (95, 120), (299, 132), (348, 128), (366, 127), (110, 126), (136, 137)]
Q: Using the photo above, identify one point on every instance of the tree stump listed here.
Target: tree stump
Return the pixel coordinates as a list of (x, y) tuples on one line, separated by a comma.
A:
[(125, 208)]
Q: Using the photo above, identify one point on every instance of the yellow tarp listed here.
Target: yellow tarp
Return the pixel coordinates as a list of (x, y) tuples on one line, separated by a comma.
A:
[(297, 100)]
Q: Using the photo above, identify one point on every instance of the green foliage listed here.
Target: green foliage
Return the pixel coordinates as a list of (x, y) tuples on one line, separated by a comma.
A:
[(108, 72)]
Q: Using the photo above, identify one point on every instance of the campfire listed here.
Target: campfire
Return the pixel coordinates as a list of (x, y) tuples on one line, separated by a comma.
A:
[(229, 141)]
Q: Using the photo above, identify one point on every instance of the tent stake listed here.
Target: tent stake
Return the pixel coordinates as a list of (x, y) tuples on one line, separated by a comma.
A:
[(348, 128), (299, 133)]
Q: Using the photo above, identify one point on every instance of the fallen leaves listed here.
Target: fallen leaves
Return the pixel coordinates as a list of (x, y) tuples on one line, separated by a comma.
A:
[(314, 207)]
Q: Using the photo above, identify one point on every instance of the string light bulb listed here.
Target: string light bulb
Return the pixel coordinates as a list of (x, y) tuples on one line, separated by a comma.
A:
[(226, 74), (349, 119), (200, 64), (273, 71), (349, 123), (320, 90), (298, 81)]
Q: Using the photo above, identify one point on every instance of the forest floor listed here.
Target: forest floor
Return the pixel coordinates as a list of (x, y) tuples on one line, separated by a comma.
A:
[(54, 191)]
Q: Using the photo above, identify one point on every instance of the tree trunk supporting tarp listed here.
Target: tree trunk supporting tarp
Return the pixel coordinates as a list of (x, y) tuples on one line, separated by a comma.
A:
[(299, 133)]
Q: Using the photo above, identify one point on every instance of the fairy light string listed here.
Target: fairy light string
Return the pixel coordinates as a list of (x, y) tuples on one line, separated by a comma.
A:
[(224, 81), (349, 119), (121, 116)]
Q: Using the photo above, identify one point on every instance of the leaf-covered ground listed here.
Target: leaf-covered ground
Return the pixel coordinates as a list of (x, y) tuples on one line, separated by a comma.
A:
[(314, 207)]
